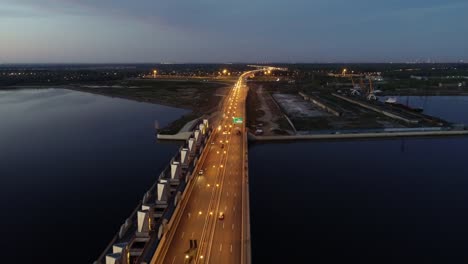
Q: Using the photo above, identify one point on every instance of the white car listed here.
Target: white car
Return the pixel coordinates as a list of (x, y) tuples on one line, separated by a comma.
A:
[(200, 172)]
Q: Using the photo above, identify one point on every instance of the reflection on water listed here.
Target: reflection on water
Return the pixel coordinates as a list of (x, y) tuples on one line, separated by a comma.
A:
[(72, 168)]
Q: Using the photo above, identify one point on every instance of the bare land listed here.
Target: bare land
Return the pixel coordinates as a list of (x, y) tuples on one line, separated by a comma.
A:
[(198, 95)]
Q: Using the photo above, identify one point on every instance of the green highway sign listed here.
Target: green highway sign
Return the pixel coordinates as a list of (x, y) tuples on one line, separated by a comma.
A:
[(237, 120)]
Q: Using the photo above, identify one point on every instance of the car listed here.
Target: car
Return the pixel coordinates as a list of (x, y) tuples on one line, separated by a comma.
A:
[(200, 172), (221, 216)]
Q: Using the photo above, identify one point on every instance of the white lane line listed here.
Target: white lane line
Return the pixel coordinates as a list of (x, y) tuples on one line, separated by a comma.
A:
[(235, 195), (173, 260), (223, 225), (220, 247), (231, 248), (232, 226), (182, 237), (227, 194), (225, 208), (234, 209), (193, 233)]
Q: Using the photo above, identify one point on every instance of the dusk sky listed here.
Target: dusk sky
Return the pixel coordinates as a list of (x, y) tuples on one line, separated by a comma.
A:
[(102, 31)]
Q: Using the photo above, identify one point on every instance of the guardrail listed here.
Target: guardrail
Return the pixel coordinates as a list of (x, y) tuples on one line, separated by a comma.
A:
[(246, 250)]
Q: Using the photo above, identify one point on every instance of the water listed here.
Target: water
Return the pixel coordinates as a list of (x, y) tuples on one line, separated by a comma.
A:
[(375, 201), (73, 166), (452, 108)]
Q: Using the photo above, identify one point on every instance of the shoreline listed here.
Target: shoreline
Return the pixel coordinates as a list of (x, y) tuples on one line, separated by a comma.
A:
[(383, 135), (83, 88)]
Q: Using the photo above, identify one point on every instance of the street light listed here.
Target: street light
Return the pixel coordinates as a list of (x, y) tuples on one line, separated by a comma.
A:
[(154, 73)]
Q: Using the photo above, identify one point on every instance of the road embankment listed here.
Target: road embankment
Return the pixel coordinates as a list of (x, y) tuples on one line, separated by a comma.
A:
[(360, 135)]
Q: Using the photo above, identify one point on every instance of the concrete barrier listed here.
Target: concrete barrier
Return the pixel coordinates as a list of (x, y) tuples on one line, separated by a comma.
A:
[(360, 135), (246, 249)]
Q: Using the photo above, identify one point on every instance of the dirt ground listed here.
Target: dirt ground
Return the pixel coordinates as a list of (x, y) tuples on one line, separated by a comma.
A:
[(263, 113)]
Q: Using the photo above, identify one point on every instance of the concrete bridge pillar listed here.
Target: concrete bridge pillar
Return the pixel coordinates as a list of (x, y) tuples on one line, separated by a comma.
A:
[(175, 170), (162, 191), (115, 258), (191, 144), (197, 136), (119, 248), (202, 128), (162, 174), (143, 221), (146, 197), (184, 156), (124, 227), (162, 228)]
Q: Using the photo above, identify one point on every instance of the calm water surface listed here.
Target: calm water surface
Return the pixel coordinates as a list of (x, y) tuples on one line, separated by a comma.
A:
[(72, 167), (389, 201)]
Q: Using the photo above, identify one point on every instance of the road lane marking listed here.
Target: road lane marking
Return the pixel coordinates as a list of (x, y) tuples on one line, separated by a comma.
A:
[(220, 247), (173, 260), (182, 237), (193, 233), (234, 209), (232, 226), (231, 248), (223, 225)]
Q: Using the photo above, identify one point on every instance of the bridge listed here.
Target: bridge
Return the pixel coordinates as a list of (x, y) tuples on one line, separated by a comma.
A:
[(198, 209), (215, 212)]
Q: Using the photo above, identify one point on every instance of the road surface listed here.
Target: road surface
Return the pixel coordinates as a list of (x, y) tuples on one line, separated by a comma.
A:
[(218, 190)]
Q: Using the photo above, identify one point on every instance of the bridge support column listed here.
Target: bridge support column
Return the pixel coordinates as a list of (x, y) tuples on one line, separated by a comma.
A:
[(198, 137), (175, 170), (184, 157), (191, 144), (202, 128), (143, 223), (162, 191)]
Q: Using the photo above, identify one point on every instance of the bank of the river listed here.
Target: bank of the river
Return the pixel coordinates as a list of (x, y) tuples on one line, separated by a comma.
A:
[(201, 97)]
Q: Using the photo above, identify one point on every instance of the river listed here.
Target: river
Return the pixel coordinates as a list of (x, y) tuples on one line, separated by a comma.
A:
[(368, 201), (73, 166)]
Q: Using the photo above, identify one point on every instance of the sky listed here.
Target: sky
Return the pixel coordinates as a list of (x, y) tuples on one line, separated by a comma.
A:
[(182, 31)]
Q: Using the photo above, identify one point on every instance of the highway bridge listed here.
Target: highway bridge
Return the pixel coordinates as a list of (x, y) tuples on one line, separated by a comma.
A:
[(198, 210), (215, 213)]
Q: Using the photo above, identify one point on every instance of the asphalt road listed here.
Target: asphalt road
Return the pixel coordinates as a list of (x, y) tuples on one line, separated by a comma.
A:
[(218, 190)]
